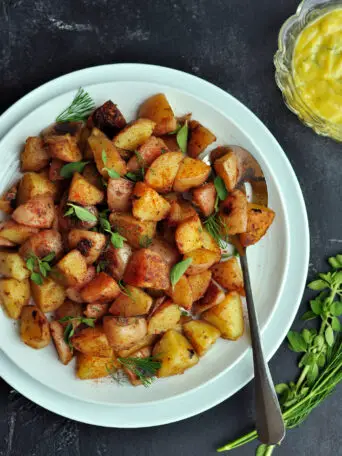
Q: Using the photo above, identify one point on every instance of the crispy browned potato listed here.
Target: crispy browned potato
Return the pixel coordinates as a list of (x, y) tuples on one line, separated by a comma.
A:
[(259, 219), (146, 154), (204, 198), (137, 232), (92, 341), (115, 260), (88, 243), (175, 353), (14, 232), (99, 143), (202, 259), (14, 295), (43, 243), (74, 293), (146, 341), (233, 213), (48, 296), (69, 309), (148, 204), (146, 269), (213, 296), (13, 266), (119, 194), (83, 192), (8, 199), (123, 333), (55, 170), (162, 172), (158, 109), (134, 134), (96, 310), (91, 174), (38, 212), (228, 274), (180, 211), (171, 142), (72, 268), (199, 138), (167, 251), (90, 367), (191, 173), (64, 351), (201, 335), (181, 293), (34, 184), (73, 128), (34, 157), (209, 243), (164, 316), (102, 288), (34, 327), (227, 316), (131, 302), (107, 118), (132, 376), (189, 235), (64, 147), (199, 284), (227, 168)]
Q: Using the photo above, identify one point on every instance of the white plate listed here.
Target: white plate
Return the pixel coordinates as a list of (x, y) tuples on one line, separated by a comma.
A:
[(232, 122)]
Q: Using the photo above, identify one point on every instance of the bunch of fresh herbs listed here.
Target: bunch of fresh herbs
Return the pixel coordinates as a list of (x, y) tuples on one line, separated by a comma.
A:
[(39, 268)]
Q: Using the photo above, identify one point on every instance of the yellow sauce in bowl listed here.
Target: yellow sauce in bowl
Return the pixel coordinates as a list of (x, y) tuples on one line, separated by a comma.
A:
[(317, 66)]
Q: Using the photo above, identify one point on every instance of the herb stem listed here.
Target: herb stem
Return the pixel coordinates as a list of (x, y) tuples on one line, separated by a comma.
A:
[(239, 442), (302, 377)]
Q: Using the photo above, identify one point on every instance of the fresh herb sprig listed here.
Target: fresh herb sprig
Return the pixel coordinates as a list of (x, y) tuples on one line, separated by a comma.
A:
[(80, 108), (69, 330), (39, 268), (144, 368), (321, 359), (69, 169), (111, 172), (115, 238), (178, 270), (80, 212), (214, 223), (125, 290), (182, 138)]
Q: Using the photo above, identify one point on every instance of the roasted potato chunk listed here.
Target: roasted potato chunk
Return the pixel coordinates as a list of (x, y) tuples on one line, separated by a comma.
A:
[(191, 173), (14, 232), (73, 268), (43, 243), (55, 170), (181, 293), (83, 192), (137, 232), (201, 335), (64, 147), (204, 198), (119, 194), (38, 212), (107, 118), (74, 293), (69, 309), (146, 341), (102, 288), (34, 157), (228, 274), (189, 235), (213, 296), (34, 327), (134, 134), (227, 316), (6, 243), (96, 310), (146, 269), (227, 168), (162, 172), (199, 284), (175, 353), (91, 174), (13, 266), (209, 243), (72, 128), (164, 316), (90, 367), (92, 341), (8, 200), (148, 204), (233, 213), (64, 351), (122, 333), (169, 254), (88, 243), (34, 184), (14, 295), (199, 138), (146, 154), (180, 211), (202, 259), (259, 219), (99, 144), (158, 109), (131, 302), (48, 296), (115, 260)]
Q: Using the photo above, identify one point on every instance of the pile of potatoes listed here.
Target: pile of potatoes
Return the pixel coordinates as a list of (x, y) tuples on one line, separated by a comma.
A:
[(127, 290)]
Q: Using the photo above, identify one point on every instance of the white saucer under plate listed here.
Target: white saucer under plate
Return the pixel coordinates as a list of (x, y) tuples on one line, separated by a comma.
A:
[(280, 259)]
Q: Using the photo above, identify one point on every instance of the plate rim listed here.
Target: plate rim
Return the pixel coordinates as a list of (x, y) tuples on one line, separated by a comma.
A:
[(37, 96)]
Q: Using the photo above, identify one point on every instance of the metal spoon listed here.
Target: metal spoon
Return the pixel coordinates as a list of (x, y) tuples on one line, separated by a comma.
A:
[(269, 421)]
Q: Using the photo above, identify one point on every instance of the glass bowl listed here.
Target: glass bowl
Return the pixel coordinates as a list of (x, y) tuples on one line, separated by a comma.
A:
[(307, 11)]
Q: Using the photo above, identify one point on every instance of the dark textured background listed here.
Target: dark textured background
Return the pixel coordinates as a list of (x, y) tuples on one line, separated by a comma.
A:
[(231, 43)]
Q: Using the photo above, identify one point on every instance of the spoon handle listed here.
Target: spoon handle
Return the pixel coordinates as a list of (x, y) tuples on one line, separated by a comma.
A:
[(269, 421)]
